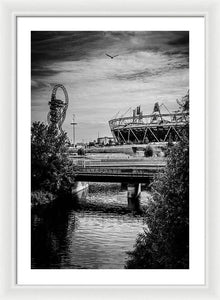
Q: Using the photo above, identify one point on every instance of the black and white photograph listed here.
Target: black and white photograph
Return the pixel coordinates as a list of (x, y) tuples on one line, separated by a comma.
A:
[(110, 116)]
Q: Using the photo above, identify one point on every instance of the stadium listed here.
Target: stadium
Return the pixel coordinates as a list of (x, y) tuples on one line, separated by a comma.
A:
[(152, 128)]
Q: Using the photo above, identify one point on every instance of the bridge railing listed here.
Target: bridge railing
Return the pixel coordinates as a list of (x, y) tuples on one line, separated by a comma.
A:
[(120, 171), (85, 163)]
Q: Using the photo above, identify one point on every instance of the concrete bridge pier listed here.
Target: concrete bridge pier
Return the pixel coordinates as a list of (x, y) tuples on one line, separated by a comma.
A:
[(133, 194)]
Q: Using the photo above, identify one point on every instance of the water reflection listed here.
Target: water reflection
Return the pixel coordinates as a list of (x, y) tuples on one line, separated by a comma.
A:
[(49, 236), (76, 236)]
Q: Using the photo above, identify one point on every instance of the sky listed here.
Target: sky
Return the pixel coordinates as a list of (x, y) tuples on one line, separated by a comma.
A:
[(151, 66)]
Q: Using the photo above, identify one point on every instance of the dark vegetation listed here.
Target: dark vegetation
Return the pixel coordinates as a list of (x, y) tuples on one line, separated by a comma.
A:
[(148, 152), (81, 151), (165, 241), (51, 170)]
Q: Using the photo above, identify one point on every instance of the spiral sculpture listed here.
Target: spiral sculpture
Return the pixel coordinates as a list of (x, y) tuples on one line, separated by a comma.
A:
[(58, 108)]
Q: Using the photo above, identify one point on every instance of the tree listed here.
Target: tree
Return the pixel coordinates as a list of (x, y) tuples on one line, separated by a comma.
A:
[(51, 170), (165, 241), (148, 151), (81, 151)]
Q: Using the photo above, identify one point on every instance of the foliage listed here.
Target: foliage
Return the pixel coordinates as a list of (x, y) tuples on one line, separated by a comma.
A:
[(39, 198), (148, 152), (165, 241), (51, 170), (81, 151)]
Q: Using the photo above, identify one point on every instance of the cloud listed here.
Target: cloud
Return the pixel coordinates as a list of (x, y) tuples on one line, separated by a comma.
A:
[(182, 38), (43, 71), (151, 66), (146, 74), (62, 46), (35, 84)]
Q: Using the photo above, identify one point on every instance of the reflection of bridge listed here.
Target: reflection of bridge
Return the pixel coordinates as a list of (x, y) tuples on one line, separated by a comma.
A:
[(133, 172), (128, 171)]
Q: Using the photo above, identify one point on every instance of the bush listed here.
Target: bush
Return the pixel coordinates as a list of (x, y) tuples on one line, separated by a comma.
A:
[(41, 198), (51, 170), (148, 152), (165, 241), (81, 151)]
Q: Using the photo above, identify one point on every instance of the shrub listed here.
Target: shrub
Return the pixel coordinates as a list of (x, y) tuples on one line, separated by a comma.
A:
[(148, 151), (165, 241), (81, 151), (51, 170), (41, 198)]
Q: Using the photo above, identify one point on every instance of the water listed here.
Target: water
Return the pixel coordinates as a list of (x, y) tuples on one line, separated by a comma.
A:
[(96, 234)]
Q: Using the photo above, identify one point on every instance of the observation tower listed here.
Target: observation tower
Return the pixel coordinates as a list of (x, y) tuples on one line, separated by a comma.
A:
[(58, 108)]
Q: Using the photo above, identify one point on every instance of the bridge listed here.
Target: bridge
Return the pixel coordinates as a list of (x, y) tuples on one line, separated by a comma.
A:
[(128, 171), (133, 172)]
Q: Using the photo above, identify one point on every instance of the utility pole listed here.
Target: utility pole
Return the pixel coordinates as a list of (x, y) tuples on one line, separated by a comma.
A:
[(73, 124)]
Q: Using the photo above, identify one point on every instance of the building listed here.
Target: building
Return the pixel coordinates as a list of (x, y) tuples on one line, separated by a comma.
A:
[(155, 127), (103, 141)]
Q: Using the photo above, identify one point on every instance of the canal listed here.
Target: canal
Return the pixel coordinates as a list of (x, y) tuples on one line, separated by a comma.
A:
[(95, 231)]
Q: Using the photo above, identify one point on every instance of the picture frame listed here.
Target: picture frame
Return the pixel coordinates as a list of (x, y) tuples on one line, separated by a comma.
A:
[(9, 288)]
